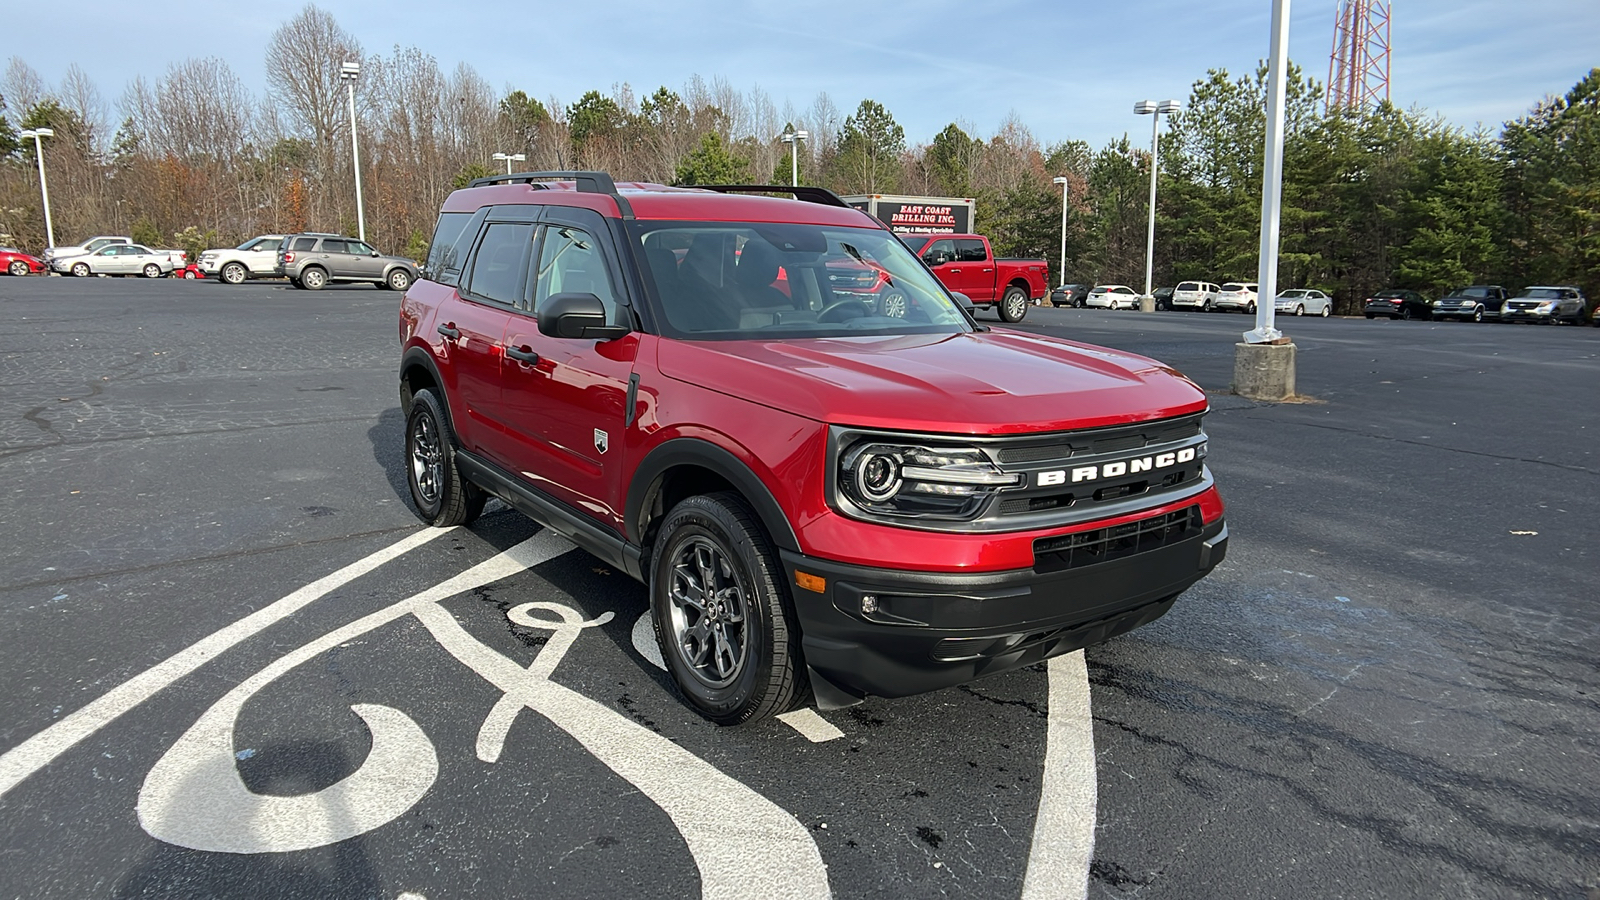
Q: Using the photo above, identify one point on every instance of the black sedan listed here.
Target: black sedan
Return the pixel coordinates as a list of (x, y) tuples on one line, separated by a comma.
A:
[(1070, 295), (1398, 304)]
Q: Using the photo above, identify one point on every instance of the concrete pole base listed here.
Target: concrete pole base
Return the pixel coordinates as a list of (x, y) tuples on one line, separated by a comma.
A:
[(1264, 371), (1147, 304)]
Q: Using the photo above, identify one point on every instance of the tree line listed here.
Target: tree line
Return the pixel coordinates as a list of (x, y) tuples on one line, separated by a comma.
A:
[(1373, 198)]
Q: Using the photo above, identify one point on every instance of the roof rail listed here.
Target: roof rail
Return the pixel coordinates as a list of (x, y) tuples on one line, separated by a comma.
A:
[(807, 194), (588, 182)]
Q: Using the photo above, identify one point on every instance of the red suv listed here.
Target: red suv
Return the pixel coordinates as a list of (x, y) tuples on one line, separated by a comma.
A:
[(825, 498)]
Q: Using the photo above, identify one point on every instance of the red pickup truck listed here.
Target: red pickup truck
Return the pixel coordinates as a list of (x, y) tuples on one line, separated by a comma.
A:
[(966, 263)]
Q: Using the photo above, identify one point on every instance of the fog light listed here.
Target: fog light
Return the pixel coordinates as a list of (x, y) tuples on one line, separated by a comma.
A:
[(869, 604)]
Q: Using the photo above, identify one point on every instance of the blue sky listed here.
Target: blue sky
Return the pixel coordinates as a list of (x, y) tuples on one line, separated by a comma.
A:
[(1069, 70)]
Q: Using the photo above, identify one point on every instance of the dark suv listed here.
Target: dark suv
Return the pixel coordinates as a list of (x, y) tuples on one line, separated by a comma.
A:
[(311, 261), (1475, 303), (825, 498)]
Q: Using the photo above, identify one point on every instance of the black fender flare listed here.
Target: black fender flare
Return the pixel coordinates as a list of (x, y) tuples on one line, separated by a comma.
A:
[(696, 452), (417, 356)]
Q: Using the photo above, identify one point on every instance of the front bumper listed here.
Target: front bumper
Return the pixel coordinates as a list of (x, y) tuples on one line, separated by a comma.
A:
[(1455, 312), (893, 633), (1526, 315)]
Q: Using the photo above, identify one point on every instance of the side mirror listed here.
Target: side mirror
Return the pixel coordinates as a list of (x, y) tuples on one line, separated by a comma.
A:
[(577, 315), (376, 254)]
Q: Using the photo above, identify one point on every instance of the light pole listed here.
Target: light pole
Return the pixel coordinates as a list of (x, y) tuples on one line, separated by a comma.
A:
[(1272, 182), (1061, 180), (1153, 109), (507, 158), (349, 73), (793, 139), (44, 189)]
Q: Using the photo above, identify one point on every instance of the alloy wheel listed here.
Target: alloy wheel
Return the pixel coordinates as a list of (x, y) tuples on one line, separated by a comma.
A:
[(708, 613)]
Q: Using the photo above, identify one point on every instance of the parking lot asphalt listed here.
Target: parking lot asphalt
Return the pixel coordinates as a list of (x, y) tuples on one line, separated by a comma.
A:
[(219, 609)]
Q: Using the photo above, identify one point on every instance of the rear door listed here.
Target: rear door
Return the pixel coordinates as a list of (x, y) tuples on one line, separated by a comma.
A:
[(481, 309), (565, 398), (977, 269)]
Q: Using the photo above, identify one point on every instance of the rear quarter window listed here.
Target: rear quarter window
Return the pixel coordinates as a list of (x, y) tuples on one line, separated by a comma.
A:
[(444, 254)]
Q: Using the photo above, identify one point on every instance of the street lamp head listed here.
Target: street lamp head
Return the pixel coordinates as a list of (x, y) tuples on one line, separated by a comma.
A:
[(803, 135), (350, 71), (1167, 107), (1059, 179), (499, 157), (1145, 107), (788, 137), (45, 132)]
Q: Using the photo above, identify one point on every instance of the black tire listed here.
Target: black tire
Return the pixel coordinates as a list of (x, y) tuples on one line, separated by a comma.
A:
[(233, 273), (80, 270), (1477, 314), (716, 537), (18, 268), (440, 496), (398, 280), (1013, 305), (295, 283), (1300, 310), (1327, 310), (151, 270), (1249, 309), (1369, 315), (1405, 313), (313, 278)]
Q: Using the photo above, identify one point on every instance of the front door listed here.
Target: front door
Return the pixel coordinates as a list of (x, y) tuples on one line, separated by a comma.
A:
[(365, 263), (977, 270), (566, 398)]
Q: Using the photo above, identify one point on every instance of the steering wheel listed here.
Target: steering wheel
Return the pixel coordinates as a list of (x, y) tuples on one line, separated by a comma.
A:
[(841, 304)]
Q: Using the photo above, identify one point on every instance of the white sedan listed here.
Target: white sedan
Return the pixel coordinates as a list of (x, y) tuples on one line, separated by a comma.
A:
[(1302, 301), (1112, 296), (119, 259)]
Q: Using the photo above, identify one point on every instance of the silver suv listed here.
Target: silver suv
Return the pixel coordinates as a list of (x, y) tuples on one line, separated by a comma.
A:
[(311, 261), (255, 258)]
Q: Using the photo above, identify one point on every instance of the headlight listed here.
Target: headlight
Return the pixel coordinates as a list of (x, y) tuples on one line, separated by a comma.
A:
[(1438, 303), (1547, 306), (919, 480)]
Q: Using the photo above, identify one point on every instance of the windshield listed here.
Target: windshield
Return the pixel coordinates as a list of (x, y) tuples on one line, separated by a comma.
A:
[(1473, 292), (1389, 295), (759, 280), (1291, 295), (1235, 288), (1542, 294)]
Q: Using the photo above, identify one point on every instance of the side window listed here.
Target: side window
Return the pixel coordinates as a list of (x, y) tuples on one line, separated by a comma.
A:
[(570, 262), (970, 250), (361, 249), (497, 267), (302, 244), (444, 258), (939, 252), (335, 245)]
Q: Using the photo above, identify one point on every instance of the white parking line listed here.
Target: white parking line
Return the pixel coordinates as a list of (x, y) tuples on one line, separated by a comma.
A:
[(40, 750), (1063, 830), (811, 726)]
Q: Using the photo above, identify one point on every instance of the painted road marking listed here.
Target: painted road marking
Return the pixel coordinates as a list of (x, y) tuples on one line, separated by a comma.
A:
[(743, 844), (1063, 829), (194, 797), (644, 641), (811, 726), (40, 750)]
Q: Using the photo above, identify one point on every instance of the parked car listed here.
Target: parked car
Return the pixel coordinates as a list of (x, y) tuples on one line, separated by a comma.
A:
[(1069, 295), (255, 258), (966, 263), (1300, 301), (1112, 296), (1163, 297), (15, 262), (120, 259), (1547, 305), (1240, 295), (311, 261), (190, 272), (1476, 303), (1194, 295), (822, 502), (91, 245), (1397, 303)]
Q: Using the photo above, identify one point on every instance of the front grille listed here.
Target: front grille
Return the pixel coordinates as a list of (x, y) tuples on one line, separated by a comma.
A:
[(1087, 548), (1085, 443)]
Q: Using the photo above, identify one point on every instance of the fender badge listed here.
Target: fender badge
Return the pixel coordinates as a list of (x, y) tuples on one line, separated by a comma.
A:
[(601, 440)]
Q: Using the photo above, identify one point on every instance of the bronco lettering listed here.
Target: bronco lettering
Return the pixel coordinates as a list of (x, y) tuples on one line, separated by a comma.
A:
[(1116, 469)]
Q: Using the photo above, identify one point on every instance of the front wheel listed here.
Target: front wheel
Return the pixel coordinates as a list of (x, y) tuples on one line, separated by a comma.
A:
[(1013, 305), (1477, 314), (722, 613), (1300, 310), (893, 304), (399, 280), (18, 268), (80, 270), (234, 273), (441, 496)]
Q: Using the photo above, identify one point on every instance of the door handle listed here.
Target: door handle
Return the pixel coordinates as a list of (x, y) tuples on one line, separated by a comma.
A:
[(954, 270), (450, 331), (524, 355)]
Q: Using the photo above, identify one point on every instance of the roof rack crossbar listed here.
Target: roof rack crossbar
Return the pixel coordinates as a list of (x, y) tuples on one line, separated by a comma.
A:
[(588, 182), (800, 192)]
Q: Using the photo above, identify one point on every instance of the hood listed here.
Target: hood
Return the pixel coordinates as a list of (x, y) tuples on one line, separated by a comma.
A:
[(995, 382)]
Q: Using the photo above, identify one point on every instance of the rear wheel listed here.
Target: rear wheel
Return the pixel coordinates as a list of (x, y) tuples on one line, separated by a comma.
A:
[(1369, 315), (441, 496), (1405, 313), (722, 612), (1013, 305), (313, 279), (1327, 310), (151, 270)]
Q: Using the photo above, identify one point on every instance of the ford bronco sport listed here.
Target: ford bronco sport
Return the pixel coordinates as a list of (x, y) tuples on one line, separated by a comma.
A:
[(826, 499)]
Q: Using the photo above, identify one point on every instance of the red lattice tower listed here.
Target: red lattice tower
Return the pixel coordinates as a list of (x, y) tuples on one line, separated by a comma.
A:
[(1358, 68)]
